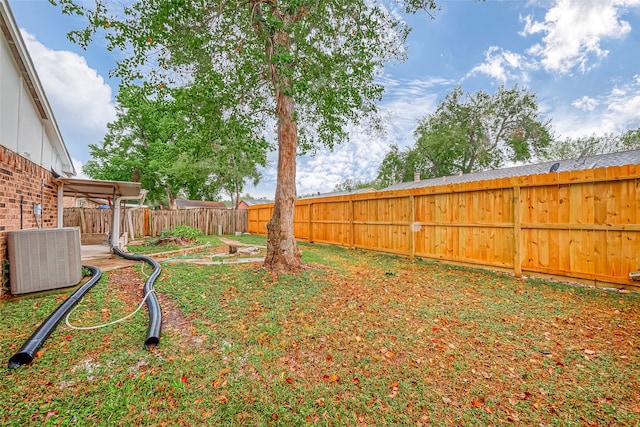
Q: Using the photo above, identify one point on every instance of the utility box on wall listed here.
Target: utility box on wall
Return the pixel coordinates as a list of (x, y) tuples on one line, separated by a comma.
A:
[(44, 258)]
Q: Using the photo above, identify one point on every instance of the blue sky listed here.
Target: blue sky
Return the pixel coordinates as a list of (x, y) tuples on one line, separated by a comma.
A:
[(581, 58)]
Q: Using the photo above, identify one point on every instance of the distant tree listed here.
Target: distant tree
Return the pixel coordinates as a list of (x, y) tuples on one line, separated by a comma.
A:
[(350, 184), (310, 66), (469, 133), (473, 132), (400, 166), (572, 148), (630, 140), (247, 196)]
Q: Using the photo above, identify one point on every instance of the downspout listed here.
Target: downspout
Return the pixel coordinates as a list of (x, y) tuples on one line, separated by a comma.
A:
[(130, 220), (60, 204), (115, 223)]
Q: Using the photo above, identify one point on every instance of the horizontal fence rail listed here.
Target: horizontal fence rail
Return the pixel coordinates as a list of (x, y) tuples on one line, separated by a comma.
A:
[(146, 222), (581, 224)]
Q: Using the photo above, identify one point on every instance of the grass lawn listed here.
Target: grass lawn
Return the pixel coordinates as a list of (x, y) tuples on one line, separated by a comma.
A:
[(357, 339)]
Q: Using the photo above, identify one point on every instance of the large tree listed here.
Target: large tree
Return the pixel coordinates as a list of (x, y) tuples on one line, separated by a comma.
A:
[(473, 132), (309, 65), (163, 139), (146, 143)]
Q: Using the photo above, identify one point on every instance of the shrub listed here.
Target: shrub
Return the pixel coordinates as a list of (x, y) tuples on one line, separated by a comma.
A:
[(183, 231)]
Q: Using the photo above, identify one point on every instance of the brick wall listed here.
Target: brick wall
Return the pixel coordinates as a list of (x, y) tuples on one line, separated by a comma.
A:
[(22, 181)]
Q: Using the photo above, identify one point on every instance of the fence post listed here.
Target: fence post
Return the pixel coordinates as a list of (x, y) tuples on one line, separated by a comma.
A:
[(310, 207), (145, 231), (352, 237), (412, 232), (517, 231), (83, 225)]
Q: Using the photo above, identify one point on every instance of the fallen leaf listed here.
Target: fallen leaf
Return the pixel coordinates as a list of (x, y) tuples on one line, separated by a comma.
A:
[(476, 404), (446, 400), (587, 351)]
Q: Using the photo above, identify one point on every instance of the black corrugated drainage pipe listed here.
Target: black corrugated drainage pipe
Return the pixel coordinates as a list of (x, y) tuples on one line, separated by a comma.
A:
[(24, 356), (155, 314)]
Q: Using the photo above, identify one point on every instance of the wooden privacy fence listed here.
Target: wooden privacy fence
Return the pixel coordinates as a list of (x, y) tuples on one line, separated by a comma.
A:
[(147, 222), (580, 224)]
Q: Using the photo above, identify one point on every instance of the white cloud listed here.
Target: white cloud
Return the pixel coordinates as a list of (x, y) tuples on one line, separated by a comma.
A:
[(79, 96), (623, 105), (614, 112), (77, 164), (585, 103), (404, 103), (573, 31), (503, 65)]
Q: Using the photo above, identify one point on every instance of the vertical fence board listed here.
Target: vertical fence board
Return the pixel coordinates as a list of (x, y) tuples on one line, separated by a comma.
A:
[(149, 222), (581, 224)]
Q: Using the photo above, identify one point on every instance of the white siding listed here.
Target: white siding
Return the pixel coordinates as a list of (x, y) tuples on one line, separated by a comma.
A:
[(27, 125), (30, 129), (9, 98), (48, 159)]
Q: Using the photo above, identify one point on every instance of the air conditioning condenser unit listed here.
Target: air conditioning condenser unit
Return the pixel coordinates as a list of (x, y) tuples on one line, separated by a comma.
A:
[(44, 258)]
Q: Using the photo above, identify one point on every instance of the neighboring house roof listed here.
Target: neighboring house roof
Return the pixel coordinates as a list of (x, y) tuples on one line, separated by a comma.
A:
[(255, 202), (582, 163), (191, 204), (27, 71), (339, 193)]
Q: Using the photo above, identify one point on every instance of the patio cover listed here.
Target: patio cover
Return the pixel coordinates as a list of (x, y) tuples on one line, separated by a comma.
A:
[(98, 189)]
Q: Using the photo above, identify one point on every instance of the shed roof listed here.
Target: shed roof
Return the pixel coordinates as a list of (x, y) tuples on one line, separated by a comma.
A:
[(255, 202), (340, 193), (582, 163)]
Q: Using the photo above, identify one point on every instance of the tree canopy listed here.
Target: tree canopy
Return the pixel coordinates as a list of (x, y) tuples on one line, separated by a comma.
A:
[(160, 140), (471, 132), (572, 148), (310, 67)]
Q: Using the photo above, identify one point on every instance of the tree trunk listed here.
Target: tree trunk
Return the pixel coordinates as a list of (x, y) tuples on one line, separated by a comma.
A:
[(282, 251)]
